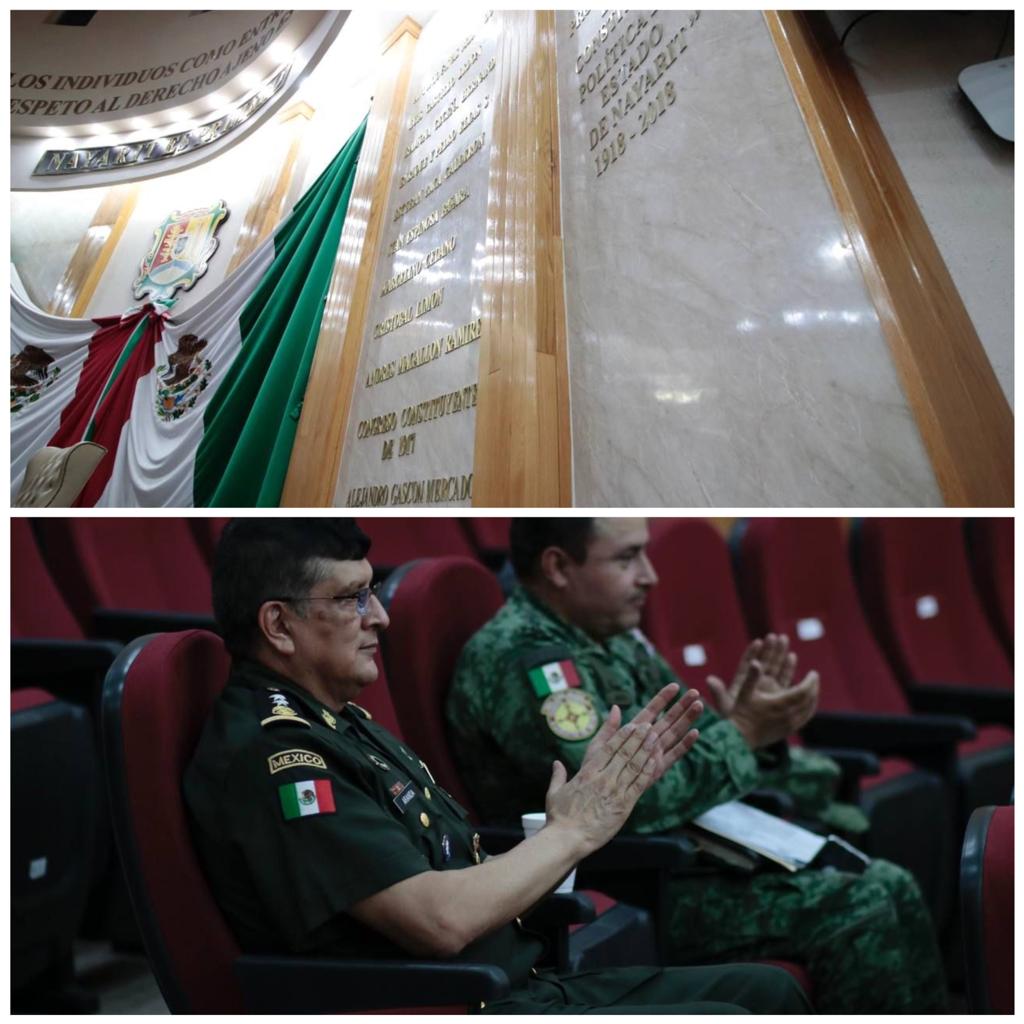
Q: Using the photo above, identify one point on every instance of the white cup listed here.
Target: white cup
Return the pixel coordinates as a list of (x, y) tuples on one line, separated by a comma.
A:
[(532, 824)]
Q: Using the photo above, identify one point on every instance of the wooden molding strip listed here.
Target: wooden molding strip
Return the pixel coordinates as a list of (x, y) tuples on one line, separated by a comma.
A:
[(522, 455), (964, 419), (85, 268), (264, 212), (313, 470)]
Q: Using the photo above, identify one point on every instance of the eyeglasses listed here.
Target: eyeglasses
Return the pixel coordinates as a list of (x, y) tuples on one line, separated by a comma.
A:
[(361, 598)]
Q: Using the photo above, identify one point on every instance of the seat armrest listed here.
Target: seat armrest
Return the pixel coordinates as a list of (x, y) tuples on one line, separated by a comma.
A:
[(623, 853), (33, 660), (986, 704), (126, 624), (273, 984), (643, 853), (560, 910), (886, 734), (854, 764)]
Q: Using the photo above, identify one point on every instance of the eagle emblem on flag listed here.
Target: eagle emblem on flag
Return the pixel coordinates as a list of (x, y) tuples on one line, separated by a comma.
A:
[(32, 372), (184, 377)]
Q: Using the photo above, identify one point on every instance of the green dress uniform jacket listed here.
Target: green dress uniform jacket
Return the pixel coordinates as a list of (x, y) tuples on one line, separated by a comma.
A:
[(530, 687), (299, 812)]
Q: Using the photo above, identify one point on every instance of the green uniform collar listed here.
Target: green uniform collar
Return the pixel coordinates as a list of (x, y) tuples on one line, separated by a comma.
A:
[(577, 639), (255, 676)]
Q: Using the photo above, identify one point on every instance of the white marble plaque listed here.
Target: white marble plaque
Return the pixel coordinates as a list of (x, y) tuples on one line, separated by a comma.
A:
[(723, 350), (410, 437)]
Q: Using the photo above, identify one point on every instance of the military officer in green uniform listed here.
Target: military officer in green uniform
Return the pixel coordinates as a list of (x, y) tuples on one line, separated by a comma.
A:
[(320, 833), (537, 681)]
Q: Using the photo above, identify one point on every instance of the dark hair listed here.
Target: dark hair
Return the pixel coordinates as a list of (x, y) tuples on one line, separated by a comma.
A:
[(527, 538), (260, 559)]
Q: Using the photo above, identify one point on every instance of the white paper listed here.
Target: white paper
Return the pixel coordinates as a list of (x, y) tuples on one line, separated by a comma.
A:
[(780, 841)]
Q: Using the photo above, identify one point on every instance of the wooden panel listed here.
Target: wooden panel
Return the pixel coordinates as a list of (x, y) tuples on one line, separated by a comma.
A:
[(313, 469), (264, 212), (964, 419), (521, 455), (78, 284)]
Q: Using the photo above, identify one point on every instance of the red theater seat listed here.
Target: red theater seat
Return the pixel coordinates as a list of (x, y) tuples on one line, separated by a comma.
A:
[(917, 591), (156, 699), (436, 605), (207, 531), (693, 616), (990, 545), (795, 578), (986, 893), (123, 577), (397, 541)]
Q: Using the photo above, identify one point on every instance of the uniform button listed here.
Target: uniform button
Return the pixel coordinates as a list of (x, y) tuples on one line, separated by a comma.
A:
[(425, 819), (519, 921), (426, 792)]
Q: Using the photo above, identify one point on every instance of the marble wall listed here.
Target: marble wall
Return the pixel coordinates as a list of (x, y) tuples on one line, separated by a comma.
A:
[(410, 435), (960, 172), (723, 349)]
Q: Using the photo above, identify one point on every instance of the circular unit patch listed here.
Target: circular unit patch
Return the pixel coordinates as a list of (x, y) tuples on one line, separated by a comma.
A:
[(571, 714)]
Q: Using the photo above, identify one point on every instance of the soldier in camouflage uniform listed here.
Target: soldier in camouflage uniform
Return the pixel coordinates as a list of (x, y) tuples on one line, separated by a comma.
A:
[(536, 682), (320, 833)]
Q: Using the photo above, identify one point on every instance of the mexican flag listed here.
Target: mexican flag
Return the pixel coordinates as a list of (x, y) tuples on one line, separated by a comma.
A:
[(202, 409), (552, 677), (301, 799)]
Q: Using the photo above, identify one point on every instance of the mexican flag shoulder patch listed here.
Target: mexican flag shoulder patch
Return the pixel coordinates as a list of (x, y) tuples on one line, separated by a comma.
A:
[(553, 677), (302, 799)]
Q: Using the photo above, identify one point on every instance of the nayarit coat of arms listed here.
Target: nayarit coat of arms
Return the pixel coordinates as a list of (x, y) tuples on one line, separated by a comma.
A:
[(181, 248), (183, 378)]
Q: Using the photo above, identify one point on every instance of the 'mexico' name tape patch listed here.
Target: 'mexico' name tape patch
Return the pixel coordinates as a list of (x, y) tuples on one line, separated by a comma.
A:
[(553, 677), (295, 759), (302, 799)]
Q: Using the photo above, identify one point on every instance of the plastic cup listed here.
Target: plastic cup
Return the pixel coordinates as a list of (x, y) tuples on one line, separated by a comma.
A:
[(532, 824)]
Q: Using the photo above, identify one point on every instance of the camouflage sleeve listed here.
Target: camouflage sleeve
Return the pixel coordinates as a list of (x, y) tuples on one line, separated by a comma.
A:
[(720, 766)]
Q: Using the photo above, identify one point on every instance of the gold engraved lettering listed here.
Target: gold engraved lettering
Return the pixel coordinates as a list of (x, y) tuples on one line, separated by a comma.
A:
[(470, 61), (403, 276), (448, 86), (443, 405), (443, 145), (429, 221), (405, 316), (474, 114), (406, 444), (419, 357), (377, 425), (449, 61), (463, 335), (388, 450), (416, 143), (446, 113), (475, 82), (381, 374), (413, 492)]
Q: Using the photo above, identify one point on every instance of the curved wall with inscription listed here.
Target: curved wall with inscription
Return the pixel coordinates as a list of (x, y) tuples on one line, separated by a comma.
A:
[(411, 430), (723, 349)]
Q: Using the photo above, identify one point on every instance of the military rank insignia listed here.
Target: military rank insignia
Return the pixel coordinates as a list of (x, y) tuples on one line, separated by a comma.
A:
[(280, 709), (571, 714), (302, 799), (554, 677)]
